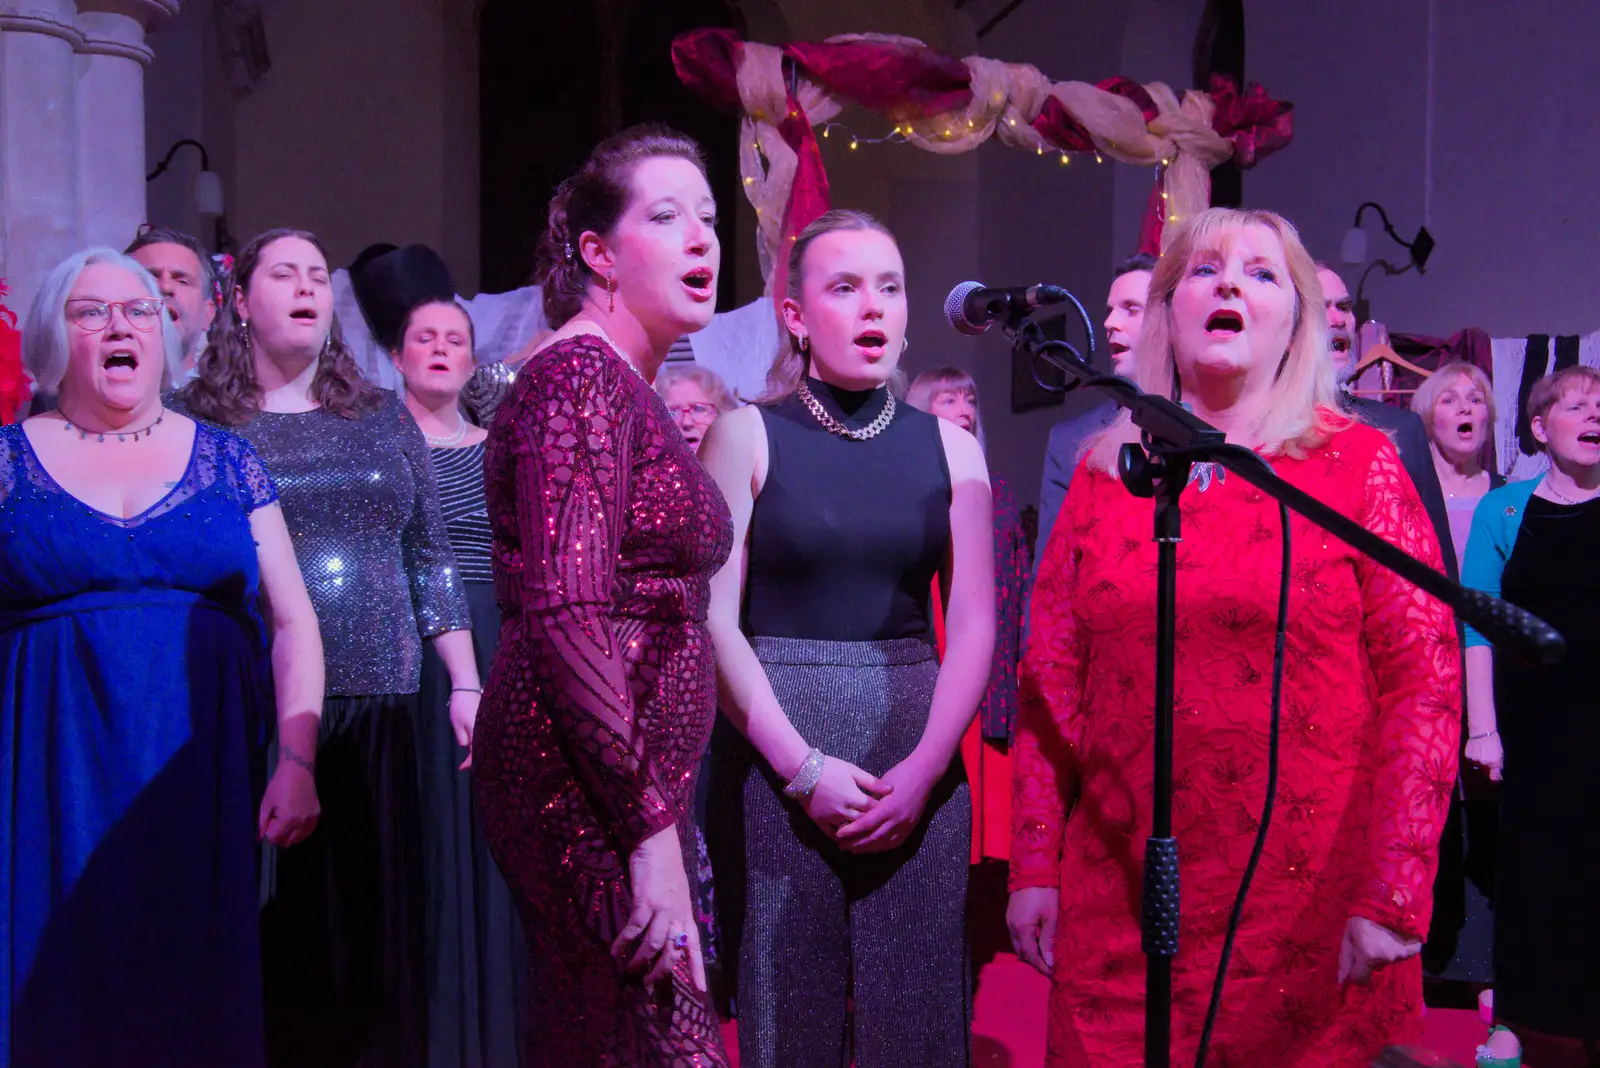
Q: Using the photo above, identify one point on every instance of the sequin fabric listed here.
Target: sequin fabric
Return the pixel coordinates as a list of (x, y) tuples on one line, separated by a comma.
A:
[(484, 391), (600, 703), (1371, 720), (362, 507), (842, 958)]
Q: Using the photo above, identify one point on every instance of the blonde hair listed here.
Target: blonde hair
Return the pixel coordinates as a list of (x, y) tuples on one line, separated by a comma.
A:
[(792, 362), (927, 386), (1301, 413), (709, 381), (1427, 394)]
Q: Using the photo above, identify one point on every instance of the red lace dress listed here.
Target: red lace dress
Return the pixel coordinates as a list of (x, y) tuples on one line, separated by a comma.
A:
[(606, 534), (1371, 719)]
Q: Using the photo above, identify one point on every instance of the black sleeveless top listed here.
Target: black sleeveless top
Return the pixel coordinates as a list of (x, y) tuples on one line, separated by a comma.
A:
[(847, 536)]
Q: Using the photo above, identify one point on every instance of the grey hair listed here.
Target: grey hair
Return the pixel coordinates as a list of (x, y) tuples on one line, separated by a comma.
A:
[(45, 344), (710, 383)]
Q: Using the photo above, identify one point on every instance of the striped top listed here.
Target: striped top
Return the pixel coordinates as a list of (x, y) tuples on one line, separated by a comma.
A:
[(466, 513)]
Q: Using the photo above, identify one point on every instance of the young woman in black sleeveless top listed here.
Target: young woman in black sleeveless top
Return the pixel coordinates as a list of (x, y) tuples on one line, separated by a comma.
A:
[(841, 820)]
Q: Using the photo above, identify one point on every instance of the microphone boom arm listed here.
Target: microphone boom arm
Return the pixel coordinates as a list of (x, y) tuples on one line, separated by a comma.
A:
[(1172, 433)]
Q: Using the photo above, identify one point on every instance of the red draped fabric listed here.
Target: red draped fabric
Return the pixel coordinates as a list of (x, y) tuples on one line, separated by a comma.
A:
[(14, 391), (906, 81), (809, 197), (1256, 124)]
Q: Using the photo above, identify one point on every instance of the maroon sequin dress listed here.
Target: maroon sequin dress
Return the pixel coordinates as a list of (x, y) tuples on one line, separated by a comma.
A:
[(606, 534)]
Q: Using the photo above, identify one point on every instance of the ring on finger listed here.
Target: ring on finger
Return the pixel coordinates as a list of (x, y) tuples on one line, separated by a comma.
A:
[(681, 942)]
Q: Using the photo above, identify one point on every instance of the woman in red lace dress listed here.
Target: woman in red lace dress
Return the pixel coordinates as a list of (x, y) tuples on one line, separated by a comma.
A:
[(606, 533), (1324, 972)]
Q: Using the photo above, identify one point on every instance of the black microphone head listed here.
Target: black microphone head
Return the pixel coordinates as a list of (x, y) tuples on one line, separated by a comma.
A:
[(955, 308)]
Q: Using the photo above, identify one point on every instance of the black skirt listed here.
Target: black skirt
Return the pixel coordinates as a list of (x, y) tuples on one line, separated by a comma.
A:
[(476, 960), (341, 927)]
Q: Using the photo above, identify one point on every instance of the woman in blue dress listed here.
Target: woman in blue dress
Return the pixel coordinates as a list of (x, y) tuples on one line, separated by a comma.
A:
[(144, 569)]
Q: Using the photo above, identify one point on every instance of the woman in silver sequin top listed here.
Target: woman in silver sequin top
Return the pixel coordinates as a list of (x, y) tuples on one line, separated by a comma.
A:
[(342, 932)]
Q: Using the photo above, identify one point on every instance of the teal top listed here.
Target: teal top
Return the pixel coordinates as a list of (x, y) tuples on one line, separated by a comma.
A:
[(1495, 524)]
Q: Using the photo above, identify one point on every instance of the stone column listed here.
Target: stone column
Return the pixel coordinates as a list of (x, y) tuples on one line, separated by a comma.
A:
[(111, 132), (38, 141)]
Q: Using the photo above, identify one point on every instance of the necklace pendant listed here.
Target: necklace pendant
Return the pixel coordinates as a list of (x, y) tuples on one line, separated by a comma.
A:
[(1205, 473)]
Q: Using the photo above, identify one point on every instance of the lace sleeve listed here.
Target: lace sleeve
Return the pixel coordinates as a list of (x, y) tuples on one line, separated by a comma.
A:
[(1416, 663), (437, 596), (251, 480), (572, 442), (1044, 760)]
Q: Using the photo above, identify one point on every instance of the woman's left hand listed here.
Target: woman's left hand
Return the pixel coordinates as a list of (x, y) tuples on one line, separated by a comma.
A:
[(892, 819), (1368, 946), (289, 809), (463, 717)]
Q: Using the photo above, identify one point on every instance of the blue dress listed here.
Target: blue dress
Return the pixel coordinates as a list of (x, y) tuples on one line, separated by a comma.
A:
[(135, 690)]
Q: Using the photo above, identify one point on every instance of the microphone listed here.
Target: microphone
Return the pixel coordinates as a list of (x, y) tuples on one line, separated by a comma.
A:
[(973, 307)]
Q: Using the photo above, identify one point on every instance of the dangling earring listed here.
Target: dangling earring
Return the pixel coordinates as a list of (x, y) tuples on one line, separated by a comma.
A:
[(611, 295), (327, 344), (805, 343), (905, 343)]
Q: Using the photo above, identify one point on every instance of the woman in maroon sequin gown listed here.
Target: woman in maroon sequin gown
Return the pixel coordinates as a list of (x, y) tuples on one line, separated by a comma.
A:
[(606, 532)]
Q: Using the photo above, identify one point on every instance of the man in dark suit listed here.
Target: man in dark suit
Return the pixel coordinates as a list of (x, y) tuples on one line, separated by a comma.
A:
[(1404, 427), (1130, 287)]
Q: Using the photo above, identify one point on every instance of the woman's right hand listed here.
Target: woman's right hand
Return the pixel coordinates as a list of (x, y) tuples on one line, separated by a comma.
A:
[(663, 913), (1487, 753), (843, 794), (1031, 918)]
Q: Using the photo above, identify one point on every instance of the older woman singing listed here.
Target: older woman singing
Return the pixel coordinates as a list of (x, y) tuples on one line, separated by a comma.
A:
[(1533, 543), (1370, 700)]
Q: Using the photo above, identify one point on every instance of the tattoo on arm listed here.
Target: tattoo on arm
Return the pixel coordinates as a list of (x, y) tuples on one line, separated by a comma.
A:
[(287, 753)]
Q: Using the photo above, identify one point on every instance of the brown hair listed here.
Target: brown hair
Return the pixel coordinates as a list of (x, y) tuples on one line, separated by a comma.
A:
[(225, 389), (430, 302), (594, 199), (930, 385), (792, 364), (1551, 388)]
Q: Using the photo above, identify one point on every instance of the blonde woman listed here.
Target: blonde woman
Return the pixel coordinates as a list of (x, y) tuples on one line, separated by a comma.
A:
[(1456, 404), (843, 824), (1371, 712)]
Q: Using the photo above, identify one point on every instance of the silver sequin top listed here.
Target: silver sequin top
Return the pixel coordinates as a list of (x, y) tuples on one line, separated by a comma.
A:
[(361, 504)]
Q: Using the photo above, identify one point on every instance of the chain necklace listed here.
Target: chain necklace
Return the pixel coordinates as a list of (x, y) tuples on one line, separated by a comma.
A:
[(1563, 498), (120, 435), (832, 425), (449, 441)]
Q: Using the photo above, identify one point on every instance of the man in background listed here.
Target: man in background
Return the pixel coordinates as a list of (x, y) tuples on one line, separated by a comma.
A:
[(182, 269), (1130, 288)]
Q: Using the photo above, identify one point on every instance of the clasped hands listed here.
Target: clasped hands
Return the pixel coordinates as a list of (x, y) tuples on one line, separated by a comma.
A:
[(866, 813)]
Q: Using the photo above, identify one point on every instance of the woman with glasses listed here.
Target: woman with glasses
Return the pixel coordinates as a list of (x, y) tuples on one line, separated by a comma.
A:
[(145, 568), (695, 396)]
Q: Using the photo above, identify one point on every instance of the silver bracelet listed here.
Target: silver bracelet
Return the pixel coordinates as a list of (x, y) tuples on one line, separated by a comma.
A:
[(805, 780), (1479, 737)]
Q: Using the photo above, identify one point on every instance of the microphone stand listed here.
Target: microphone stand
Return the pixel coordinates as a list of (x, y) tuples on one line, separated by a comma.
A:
[(1174, 440)]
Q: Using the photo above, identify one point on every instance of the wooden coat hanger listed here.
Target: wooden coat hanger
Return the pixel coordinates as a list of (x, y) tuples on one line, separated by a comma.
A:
[(1384, 354)]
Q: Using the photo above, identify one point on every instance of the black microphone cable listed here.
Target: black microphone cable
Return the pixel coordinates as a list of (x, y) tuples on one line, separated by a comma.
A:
[(1280, 641)]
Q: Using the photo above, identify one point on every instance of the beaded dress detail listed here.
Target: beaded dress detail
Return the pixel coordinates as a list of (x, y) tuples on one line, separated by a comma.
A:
[(606, 532)]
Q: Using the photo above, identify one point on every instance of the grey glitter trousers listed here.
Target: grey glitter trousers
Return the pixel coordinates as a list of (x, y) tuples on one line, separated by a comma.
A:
[(840, 957)]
